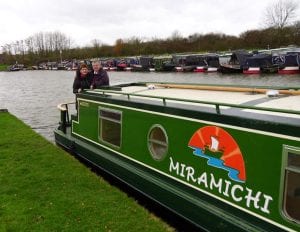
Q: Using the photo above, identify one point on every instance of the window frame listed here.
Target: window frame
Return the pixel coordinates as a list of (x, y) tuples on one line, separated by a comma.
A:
[(149, 140), (100, 131), (283, 186)]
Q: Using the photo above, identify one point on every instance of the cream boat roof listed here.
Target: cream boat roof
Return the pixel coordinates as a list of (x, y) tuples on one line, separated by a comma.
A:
[(246, 98)]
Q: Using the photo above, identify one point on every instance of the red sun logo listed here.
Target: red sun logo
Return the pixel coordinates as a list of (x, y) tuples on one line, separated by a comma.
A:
[(212, 141)]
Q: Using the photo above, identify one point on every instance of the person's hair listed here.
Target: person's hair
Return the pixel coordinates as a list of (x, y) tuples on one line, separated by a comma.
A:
[(77, 74), (83, 66), (96, 61)]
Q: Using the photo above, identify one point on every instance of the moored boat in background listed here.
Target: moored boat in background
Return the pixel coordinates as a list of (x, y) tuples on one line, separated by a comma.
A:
[(213, 63), (15, 67), (290, 64), (145, 63), (201, 64), (191, 62), (208, 63), (179, 61), (163, 64), (109, 64), (61, 65), (260, 63), (121, 65), (236, 62)]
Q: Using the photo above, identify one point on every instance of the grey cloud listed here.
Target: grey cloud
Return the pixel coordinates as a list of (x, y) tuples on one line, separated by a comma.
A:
[(110, 20)]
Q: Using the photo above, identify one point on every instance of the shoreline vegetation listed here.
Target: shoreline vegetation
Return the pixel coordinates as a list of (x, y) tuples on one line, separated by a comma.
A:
[(3, 67), (280, 27), (39, 47), (43, 188)]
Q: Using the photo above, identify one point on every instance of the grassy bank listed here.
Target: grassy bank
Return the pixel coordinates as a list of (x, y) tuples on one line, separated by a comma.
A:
[(3, 67), (45, 189)]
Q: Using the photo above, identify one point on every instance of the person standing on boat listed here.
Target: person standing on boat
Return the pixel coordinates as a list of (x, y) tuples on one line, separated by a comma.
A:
[(100, 77), (83, 79)]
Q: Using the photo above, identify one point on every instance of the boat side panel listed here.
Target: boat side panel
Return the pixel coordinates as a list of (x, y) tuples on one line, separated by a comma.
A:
[(260, 154), (195, 208)]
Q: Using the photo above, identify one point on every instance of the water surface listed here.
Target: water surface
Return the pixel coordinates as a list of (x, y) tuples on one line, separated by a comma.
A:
[(33, 95)]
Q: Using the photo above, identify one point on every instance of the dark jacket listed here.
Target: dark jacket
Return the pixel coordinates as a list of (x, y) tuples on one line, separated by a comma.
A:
[(82, 82), (100, 79)]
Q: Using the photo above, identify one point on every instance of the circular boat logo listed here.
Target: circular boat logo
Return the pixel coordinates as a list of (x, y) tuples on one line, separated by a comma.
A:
[(220, 150)]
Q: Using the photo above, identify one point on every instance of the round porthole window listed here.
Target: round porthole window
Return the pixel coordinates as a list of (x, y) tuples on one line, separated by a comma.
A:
[(157, 142)]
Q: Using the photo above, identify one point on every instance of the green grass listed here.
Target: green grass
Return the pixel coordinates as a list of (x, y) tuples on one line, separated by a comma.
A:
[(43, 188), (3, 67)]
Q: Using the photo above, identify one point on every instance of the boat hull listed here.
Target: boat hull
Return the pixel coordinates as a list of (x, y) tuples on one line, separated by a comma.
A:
[(178, 69), (230, 69), (139, 68), (200, 69), (252, 70), (128, 69), (289, 70), (188, 68), (197, 208), (212, 69), (260, 70), (166, 68), (121, 67), (206, 69)]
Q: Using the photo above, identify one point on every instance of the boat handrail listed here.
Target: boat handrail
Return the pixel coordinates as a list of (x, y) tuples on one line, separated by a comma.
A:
[(227, 88), (64, 106), (216, 104), (64, 115)]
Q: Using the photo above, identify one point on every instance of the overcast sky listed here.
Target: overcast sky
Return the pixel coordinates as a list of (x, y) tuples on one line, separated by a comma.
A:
[(109, 20)]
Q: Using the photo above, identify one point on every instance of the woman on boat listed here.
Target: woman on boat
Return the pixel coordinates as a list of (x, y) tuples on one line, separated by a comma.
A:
[(83, 79), (100, 77)]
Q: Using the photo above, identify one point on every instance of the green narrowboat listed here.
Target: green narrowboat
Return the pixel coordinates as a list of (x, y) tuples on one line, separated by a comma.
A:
[(163, 63), (226, 158)]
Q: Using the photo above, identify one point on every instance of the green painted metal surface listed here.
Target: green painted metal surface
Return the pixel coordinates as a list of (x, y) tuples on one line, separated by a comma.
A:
[(257, 194)]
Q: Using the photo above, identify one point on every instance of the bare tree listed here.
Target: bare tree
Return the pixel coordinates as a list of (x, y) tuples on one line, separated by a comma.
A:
[(96, 43), (176, 36), (29, 44), (7, 48), (118, 47), (280, 13)]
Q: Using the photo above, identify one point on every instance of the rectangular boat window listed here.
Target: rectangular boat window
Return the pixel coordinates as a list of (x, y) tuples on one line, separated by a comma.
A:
[(291, 195), (110, 126)]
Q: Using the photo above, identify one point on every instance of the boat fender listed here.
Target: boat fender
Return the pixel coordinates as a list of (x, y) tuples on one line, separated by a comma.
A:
[(272, 93), (151, 86)]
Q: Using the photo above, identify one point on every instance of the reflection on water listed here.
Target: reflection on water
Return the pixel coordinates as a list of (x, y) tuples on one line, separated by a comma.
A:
[(33, 95)]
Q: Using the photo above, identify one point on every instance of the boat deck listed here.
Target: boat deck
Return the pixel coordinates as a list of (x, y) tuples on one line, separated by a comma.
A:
[(249, 104)]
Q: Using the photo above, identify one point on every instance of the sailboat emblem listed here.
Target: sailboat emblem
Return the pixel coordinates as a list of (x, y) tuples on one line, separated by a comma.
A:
[(214, 144), (221, 151)]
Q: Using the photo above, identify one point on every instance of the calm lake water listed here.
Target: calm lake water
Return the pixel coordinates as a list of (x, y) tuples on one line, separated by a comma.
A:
[(33, 95)]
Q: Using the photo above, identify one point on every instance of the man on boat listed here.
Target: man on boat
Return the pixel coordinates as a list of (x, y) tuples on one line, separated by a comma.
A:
[(100, 77)]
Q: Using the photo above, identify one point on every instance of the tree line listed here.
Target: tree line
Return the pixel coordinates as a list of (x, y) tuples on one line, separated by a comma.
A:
[(36, 48), (53, 46)]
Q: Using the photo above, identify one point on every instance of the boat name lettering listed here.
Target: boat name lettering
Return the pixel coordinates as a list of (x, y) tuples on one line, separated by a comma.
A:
[(86, 104), (236, 192)]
